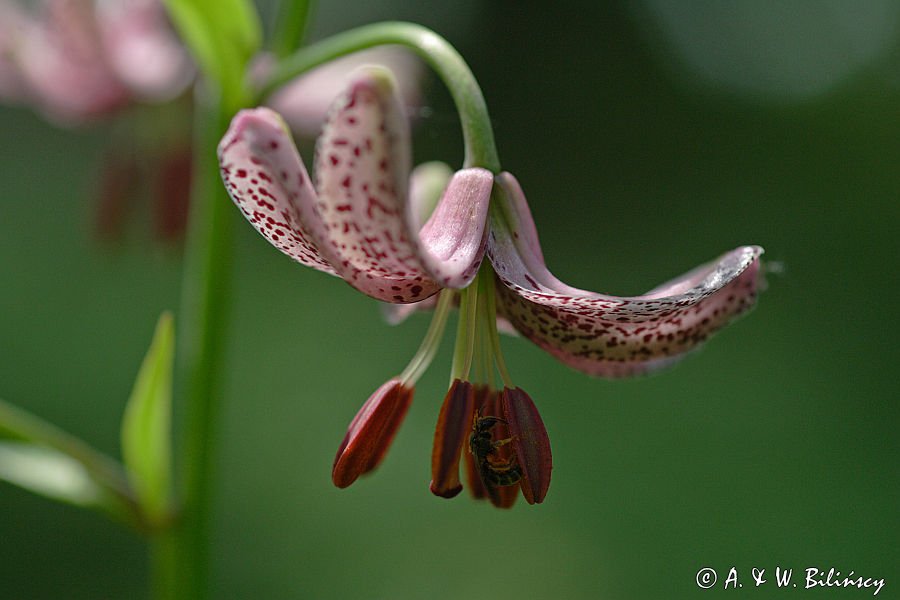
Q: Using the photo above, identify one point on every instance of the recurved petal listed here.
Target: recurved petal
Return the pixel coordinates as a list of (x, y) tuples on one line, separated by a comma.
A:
[(451, 244), (368, 233), (371, 432), (267, 181), (606, 335)]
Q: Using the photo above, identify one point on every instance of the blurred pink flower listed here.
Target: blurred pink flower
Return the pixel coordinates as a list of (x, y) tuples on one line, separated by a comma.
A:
[(78, 60)]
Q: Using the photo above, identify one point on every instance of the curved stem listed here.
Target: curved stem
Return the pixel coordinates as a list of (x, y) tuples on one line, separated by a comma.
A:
[(478, 135)]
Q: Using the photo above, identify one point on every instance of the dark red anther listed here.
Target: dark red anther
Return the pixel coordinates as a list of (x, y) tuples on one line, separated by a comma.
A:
[(530, 443), (500, 496), (450, 437), (476, 486), (371, 432)]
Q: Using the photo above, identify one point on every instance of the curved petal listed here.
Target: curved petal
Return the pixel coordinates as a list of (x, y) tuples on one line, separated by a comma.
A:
[(365, 225), (605, 335), (267, 180), (451, 244)]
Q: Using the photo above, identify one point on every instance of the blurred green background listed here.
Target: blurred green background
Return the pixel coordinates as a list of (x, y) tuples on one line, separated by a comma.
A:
[(775, 445)]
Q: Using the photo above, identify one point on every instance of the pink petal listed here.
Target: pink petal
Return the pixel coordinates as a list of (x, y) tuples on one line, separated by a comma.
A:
[(362, 170), (451, 244), (267, 180), (605, 335)]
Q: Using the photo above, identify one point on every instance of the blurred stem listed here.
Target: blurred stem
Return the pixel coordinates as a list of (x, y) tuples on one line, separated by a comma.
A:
[(119, 501), (478, 135), (289, 30), (180, 555)]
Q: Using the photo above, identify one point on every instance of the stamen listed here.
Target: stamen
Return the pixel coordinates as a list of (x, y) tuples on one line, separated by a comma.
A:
[(465, 333), (429, 347), (486, 281)]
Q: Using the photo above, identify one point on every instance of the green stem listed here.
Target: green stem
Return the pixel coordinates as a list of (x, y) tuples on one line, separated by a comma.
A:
[(181, 555), (290, 26), (478, 134)]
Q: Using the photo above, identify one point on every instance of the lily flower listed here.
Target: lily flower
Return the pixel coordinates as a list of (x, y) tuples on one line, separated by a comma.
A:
[(408, 237)]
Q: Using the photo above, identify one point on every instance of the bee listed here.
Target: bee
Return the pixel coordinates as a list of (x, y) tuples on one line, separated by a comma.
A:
[(494, 471)]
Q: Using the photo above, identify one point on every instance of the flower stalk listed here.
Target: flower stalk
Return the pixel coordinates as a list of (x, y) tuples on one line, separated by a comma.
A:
[(478, 135), (180, 556)]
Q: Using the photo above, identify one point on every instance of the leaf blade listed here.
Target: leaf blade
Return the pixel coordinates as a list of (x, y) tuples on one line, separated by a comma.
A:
[(223, 36), (147, 425)]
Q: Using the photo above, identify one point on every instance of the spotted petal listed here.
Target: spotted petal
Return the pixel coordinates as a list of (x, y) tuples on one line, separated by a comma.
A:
[(368, 231), (605, 335), (266, 179)]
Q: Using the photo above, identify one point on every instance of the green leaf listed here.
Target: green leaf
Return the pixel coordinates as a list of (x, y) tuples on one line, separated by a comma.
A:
[(223, 36), (49, 473), (147, 424)]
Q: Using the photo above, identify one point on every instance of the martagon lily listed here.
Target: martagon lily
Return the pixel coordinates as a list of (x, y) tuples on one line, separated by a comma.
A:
[(405, 237)]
